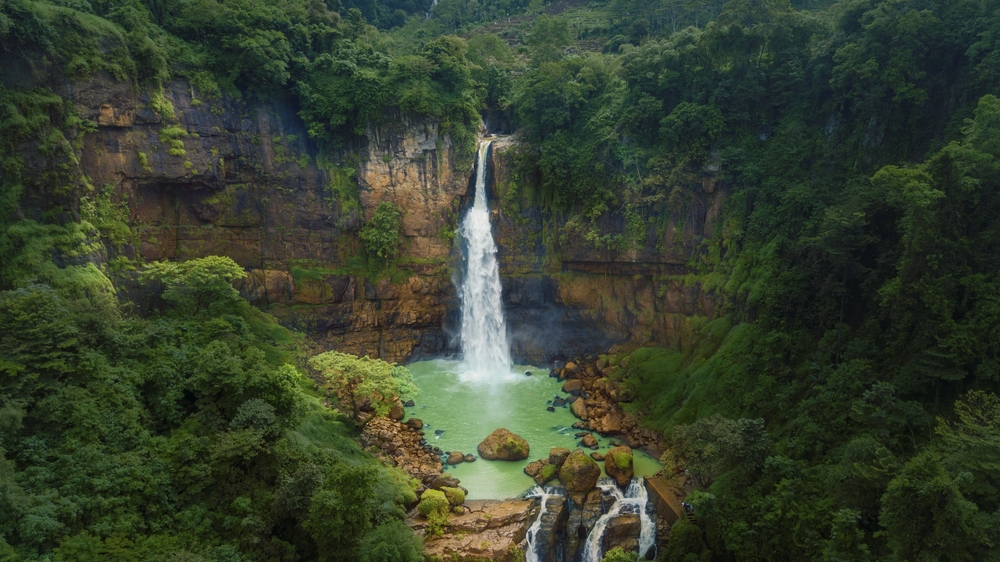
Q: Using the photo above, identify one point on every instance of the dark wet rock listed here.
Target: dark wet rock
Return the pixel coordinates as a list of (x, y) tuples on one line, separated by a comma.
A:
[(409, 404), (415, 423), (455, 457), (554, 373), (469, 458), (438, 432), (586, 509), (502, 445), (579, 425), (558, 403), (579, 473), (551, 409), (622, 531), (552, 531), (581, 433), (597, 457), (589, 440), (527, 373)]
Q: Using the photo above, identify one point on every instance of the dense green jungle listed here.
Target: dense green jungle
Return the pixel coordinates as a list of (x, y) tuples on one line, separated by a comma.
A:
[(841, 404)]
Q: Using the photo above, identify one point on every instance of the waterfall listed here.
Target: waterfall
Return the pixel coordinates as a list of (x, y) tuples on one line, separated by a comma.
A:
[(484, 332), (634, 500), (531, 548)]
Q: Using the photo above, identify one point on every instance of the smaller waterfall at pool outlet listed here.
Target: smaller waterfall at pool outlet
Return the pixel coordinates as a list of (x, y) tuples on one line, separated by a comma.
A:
[(531, 539), (634, 500), (485, 348)]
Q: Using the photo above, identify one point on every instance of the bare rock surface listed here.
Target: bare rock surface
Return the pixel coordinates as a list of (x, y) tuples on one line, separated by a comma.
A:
[(487, 530)]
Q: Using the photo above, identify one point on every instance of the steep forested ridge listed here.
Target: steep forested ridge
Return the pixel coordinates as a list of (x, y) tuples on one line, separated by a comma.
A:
[(840, 404)]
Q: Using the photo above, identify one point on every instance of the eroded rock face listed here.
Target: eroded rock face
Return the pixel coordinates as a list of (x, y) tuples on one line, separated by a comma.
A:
[(502, 445), (579, 473), (246, 184), (487, 530), (622, 531)]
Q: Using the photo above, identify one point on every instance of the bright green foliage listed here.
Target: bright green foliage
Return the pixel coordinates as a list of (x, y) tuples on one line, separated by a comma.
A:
[(356, 379), (198, 285), (435, 507), (618, 554), (456, 496), (382, 234)]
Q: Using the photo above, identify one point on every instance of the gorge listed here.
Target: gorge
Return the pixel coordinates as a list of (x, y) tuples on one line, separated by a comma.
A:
[(415, 280)]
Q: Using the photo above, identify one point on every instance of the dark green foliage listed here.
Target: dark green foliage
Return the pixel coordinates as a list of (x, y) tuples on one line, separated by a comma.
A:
[(175, 437), (381, 235)]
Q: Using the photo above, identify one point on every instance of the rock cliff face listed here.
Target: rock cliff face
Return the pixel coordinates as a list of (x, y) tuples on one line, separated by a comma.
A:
[(563, 296), (238, 178)]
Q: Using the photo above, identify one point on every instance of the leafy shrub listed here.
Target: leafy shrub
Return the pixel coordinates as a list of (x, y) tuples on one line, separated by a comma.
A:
[(434, 506)]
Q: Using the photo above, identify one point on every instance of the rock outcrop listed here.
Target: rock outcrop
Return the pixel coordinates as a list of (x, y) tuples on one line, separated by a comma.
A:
[(579, 473), (502, 445), (241, 178), (487, 530), (618, 465)]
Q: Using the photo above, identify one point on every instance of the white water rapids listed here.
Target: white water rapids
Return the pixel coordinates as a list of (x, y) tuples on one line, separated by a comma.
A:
[(484, 332), (634, 500), (531, 546)]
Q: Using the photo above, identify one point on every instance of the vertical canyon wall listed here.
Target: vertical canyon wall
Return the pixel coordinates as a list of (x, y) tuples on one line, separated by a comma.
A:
[(241, 179)]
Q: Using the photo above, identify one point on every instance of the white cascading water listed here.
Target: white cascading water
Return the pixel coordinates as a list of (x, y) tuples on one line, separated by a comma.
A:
[(634, 500), (531, 546), (484, 331)]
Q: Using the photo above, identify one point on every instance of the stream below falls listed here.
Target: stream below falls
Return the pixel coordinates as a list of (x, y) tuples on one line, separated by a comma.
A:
[(466, 409)]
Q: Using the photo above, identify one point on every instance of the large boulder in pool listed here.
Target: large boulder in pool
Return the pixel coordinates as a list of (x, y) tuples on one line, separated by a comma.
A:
[(579, 473), (618, 465), (502, 445)]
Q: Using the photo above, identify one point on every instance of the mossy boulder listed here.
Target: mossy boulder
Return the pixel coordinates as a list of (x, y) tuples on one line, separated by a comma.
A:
[(618, 465), (579, 473), (502, 445), (548, 472), (456, 496)]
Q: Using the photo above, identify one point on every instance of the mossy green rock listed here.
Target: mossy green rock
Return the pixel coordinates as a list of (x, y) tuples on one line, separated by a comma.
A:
[(579, 473), (618, 465), (547, 473), (456, 496), (502, 445), (433, 501)]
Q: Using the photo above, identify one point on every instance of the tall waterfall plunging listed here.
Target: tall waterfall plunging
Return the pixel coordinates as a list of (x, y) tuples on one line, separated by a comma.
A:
[(484, 331)]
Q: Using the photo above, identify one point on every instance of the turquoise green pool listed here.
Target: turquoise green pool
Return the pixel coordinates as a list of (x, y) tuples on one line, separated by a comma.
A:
[(467, 410)]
